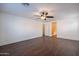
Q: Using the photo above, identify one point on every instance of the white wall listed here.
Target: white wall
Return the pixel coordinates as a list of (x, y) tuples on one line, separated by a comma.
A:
[(67, 27), (48, 28), (15, 29)]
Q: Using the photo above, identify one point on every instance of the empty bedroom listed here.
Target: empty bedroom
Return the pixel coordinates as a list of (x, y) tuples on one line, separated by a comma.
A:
[(39, 29)]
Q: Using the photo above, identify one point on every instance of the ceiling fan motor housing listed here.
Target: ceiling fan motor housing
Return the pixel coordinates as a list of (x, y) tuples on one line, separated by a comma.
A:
[(44, 13)]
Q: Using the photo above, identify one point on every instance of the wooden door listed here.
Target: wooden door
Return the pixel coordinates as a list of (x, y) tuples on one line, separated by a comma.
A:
[(54, 29)]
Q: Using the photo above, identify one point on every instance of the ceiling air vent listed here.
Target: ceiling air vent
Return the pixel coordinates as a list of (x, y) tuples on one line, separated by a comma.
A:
[(26, 4)]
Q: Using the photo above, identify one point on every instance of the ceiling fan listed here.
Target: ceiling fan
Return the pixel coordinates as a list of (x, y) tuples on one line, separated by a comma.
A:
[(43, 16)]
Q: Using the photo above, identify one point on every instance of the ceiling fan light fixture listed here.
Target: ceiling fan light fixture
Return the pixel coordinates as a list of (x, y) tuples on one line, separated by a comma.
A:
[(43, 17), (44, 13)]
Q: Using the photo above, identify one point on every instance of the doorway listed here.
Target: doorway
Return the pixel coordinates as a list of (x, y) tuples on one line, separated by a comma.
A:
[(54, 29)]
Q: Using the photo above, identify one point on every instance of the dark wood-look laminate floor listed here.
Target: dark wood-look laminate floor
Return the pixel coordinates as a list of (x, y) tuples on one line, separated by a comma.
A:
[(42, 46)]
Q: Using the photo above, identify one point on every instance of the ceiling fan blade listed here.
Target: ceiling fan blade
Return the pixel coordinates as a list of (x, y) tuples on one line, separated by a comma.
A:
[(49, 16), (37, 15), (37, 18)]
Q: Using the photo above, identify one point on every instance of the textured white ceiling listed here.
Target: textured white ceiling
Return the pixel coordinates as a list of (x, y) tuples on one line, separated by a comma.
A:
[(58, 10)]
